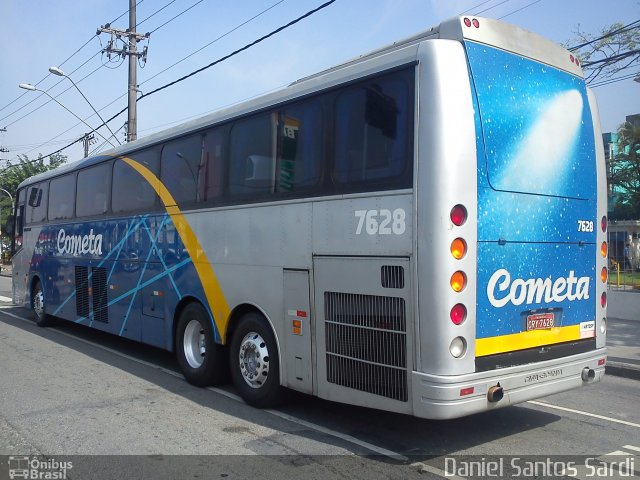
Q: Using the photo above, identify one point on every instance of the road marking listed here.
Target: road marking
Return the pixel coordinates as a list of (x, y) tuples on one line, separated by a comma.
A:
[(5, 299), (586, 414), (290, 418), (343, 436)]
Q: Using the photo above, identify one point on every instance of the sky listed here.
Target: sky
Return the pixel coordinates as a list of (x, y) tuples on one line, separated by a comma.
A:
[(36, 35)]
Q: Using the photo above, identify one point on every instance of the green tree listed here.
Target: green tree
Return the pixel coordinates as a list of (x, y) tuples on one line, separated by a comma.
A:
[(609, 53), (625, 176), (12, 175)]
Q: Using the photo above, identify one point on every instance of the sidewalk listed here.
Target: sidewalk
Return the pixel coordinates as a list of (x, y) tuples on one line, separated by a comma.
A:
[(623, 333)]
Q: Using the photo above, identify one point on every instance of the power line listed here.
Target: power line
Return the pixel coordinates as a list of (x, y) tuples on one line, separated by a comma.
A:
[(195, 72), (606, 35), (618, 57), (614, 80), (520, 9), (178, 15), (213, 41), (48, 101), (492, 7)]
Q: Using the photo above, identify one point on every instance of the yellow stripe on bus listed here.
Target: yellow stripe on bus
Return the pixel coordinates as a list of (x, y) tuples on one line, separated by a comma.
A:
[(217, 301), (524, 340)]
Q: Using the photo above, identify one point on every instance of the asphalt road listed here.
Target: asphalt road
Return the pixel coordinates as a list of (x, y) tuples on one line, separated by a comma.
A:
[(68, 390)]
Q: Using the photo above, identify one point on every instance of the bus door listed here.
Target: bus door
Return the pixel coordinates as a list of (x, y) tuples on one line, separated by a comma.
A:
[(20, 260)]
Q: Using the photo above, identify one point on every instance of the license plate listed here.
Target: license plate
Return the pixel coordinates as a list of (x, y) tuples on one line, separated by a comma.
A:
[(540, 321)]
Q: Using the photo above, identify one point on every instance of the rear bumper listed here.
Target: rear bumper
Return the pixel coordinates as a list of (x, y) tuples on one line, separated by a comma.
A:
[(439, 396)]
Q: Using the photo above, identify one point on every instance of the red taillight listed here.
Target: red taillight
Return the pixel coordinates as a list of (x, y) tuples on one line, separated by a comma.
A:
[(476, 23), (466, 391), (603, 299), (573, 60), (458, 314), (467, 22), (458, 215), (601, 362), (603, 223)]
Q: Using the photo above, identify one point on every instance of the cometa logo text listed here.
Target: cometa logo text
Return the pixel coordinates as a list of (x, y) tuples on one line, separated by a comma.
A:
[(501, 290), (79, 244)]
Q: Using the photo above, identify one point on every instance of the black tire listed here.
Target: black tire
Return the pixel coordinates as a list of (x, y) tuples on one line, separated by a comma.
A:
[(253, 358), (203, 361), (39, 306)]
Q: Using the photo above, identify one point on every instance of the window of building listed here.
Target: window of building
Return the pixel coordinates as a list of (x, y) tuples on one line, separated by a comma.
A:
[(373, 131), (131, 191), (62, 197), (93, 188)]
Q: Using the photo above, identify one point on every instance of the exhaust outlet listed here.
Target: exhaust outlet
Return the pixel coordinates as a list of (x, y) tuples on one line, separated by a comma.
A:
[(588, 374), (495, 393)]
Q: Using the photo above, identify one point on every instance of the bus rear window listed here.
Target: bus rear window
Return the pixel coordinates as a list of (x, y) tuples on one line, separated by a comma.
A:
[(373, 131)]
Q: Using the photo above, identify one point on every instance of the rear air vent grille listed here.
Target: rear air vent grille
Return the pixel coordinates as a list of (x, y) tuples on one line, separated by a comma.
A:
[(392, 276), (99, 289), (82, 292), (366, 343)]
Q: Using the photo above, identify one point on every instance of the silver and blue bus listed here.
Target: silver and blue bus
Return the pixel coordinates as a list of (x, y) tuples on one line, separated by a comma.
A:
[(419, 230)]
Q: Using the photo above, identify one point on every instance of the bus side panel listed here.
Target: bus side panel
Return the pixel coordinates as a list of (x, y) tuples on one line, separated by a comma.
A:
[(446, 177)]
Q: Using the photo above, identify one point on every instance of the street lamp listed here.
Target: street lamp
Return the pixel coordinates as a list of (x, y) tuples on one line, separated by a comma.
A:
[(57, 71), (28, 86)]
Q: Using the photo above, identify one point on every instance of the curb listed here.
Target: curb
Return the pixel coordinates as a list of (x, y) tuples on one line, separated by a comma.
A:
[(621, 369)]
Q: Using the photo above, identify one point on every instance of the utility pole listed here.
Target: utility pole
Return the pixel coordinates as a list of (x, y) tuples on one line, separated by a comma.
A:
[(87, 140), (129, 49)]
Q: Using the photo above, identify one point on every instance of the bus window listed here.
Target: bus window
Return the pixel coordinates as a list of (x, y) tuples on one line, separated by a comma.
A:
[(62, 197), (211, 170), (36, 208), (130, 191), (93, 190), (179, 168), (372, 130), (251, 162), (300, 149)]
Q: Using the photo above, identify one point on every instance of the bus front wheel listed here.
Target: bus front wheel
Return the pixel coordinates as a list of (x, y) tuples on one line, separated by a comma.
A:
[(38, 305), (255, 368), (202, 361)]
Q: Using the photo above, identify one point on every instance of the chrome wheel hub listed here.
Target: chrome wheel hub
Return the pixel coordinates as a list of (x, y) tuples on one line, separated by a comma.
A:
[(194, 344), (254, 360), (38, 304)]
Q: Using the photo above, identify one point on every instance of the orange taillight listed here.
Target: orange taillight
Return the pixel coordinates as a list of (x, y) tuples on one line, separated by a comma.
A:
[(458, 281), (603, 249), (458, 248), (604, 274)]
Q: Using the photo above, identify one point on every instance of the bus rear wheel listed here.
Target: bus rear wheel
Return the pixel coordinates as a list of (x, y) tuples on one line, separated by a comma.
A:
[(255, 368), (202, 361), (38, 305)]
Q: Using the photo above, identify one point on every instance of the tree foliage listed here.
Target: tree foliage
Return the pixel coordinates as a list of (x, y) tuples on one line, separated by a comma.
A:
[(625, 176), (12, 175), (609, 53)]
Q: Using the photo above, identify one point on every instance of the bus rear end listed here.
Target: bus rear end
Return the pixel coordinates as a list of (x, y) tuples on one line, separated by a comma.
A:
[(511, 193)]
